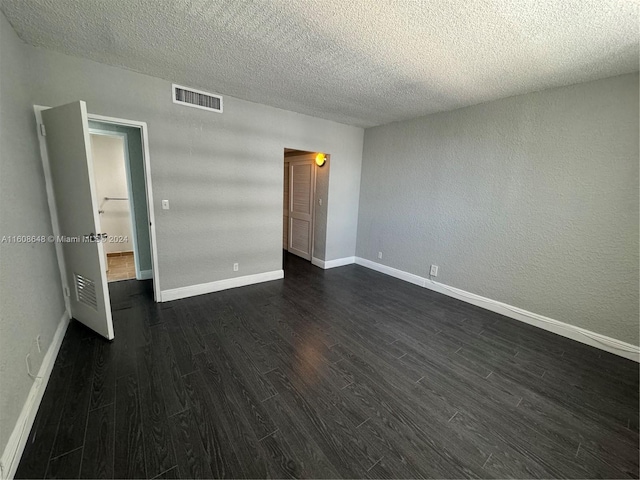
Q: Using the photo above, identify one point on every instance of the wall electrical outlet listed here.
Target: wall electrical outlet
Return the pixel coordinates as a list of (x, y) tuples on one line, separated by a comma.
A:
[(433, 271), (380, 255), (235, 267)]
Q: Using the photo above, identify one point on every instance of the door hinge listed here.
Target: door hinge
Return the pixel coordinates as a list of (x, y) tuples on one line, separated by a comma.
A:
[(66, 292), (43, 130)]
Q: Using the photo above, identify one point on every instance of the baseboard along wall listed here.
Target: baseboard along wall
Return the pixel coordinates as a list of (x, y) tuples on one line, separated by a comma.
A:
[(582, 335), (201, 289), (18, 439), (326, 264)]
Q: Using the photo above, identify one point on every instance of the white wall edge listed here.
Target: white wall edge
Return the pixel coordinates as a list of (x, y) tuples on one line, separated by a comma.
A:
[(338, 262), (146, 274), (317, 262), (51, 201), (597, 340), (18, 439), (201, 289)]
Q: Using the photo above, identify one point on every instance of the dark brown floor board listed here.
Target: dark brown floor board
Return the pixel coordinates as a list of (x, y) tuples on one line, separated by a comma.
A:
[(45, 427), (65, 466), (129, 447), (190, 454), (173, 391), (340, 373), (98, 455), (219, 451), (71, 429)]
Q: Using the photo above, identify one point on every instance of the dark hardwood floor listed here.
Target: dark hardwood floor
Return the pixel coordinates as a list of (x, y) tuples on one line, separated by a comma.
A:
[(327, 374)]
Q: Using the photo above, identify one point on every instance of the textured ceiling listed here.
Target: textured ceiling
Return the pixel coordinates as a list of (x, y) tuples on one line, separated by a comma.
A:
[(361, 62)]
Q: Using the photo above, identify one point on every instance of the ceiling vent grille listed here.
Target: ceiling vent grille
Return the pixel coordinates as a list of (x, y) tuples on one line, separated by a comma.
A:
[(196, 98)]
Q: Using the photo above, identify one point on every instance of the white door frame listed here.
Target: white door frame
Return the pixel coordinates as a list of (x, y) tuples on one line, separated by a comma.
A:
[(52, 205)]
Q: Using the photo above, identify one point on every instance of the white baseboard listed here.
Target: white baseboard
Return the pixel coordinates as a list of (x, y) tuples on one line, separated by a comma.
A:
[(338, 262), (394, 272), (201, 289), (582, 335), (146, 274), (18, 439)]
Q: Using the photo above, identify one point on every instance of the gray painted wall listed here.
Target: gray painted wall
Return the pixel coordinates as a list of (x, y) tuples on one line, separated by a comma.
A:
[(31, 300), (320, 213), (531, 200), (136, 165), (222, 173)]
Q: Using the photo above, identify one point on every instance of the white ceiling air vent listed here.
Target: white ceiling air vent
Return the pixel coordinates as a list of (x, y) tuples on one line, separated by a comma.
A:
[(196, 98)]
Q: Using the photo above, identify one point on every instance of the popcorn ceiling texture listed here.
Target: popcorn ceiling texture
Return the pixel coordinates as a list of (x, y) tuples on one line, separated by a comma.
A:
[(359, 62), (530, 200)]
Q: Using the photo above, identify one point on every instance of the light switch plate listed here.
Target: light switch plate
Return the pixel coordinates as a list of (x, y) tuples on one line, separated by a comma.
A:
[(165, 204)]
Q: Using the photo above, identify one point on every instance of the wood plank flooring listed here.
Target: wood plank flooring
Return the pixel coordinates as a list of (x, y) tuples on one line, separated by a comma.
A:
[(344, 373)]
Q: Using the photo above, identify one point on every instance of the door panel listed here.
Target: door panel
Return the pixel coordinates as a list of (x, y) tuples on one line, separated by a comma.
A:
[(301, 191), (301, 178), (301, 234), (70, 163)]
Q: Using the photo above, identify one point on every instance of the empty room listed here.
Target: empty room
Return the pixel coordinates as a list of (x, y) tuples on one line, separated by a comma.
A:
[(319, 239)]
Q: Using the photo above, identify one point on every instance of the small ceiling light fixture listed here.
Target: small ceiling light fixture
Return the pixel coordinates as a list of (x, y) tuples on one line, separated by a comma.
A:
[(320, 159)]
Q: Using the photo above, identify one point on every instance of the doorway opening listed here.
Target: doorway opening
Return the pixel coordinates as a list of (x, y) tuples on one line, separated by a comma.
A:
[(65, 139), (304, 204), (122, 200), (114, 197)]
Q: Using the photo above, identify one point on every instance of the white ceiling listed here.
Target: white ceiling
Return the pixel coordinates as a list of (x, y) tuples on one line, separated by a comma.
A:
[(361, 62)]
